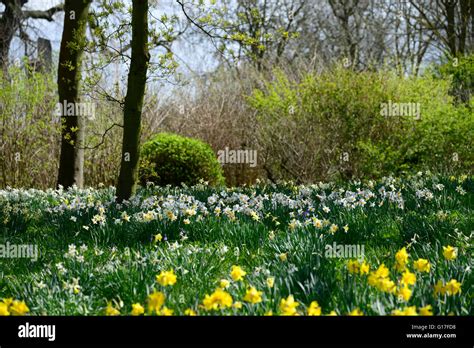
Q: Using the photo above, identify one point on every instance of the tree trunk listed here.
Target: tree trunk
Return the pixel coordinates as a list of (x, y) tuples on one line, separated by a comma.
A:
[(71, 162), (134, 101), (9, 23)]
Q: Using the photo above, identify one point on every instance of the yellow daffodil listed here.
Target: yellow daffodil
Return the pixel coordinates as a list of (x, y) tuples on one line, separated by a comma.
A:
[(353, 266), (4, 310), (364, 268), (314, 309), (450, 253), (453, 287), (190, 312), (166, 312), (237, 305), (219, 299), (111, 311), (426, 310), (237, 273), (408, 278), (137, 309), (439, 288), (356, 313), (224, 283), (422, 265), (155, 301), (270, 282), (401, 259), (158, 237), (404, 293), (166, 278), (288, 306), (253, 295)]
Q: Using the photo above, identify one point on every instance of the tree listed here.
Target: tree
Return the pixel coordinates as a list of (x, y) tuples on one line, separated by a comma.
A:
[(71, 161), (11, 19), (134, 101)]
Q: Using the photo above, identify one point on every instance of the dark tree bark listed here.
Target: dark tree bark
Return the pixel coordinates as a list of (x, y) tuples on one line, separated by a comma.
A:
[(71, 162), (134, 101)]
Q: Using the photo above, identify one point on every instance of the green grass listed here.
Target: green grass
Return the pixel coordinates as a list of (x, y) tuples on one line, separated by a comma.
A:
[(119, 259)]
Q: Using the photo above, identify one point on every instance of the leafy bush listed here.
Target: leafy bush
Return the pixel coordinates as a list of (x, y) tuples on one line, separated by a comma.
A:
[(461, 72), (173, 159), (330, 125)]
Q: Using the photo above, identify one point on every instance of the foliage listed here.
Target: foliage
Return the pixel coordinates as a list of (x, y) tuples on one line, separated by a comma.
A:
[(93, 251), (331, 125), (170, 159)]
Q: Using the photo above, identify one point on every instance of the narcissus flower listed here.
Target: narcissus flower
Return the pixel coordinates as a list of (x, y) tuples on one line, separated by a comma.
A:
[(408, 278), (407, 311), (4, 310), (422, 265), (158, 237), (253, 295), (353, 266), (219, 299), (270, 282), (190, 312), (314, 309), (401, 259), (404, 293), (155, 301), (137, 309), (364, 268), (224, 283), (449, 252), (237, 273), (237, 305), (356, 313), (439, 288), (18, 308), (453, 287), (426, 310), (166, 312), (332, 314), (111, 311), (283, 256), (166, 278), (288, 306)]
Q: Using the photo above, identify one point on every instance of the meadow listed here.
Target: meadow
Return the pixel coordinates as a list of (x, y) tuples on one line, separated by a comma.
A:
[(253, 250)]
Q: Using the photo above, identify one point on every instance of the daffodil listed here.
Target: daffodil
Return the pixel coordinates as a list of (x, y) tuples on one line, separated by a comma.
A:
[(449, 252), (155, 301), (4, 310), (314, 309), (426, 310), (137, 309), (353, 266), (453, 287), (219, 299), (237, 273), (253, 295), (166, 312), (439, 288), (401, 259), (408, 278), (224, 283), (356, 313), (270, 282), (404, 293), (166, 278), (288, 306), (422, 265), (111, 311), (190, 312)]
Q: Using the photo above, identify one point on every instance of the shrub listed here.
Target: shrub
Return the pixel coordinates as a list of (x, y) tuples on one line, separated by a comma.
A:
[(329, 125), (172, 159)]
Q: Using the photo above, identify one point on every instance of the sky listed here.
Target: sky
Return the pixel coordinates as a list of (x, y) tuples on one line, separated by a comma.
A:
[(191, 57)]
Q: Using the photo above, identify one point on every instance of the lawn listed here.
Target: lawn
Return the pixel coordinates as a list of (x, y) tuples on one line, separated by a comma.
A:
[(388, 247)]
